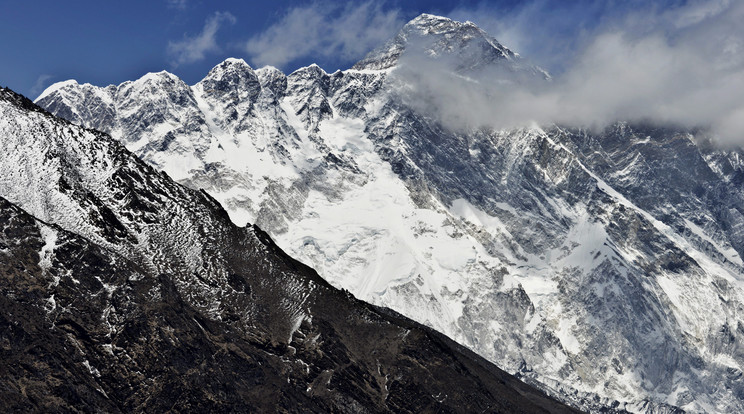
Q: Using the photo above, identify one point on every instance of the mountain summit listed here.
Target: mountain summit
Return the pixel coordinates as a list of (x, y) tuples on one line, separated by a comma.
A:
[(436, 36), (605, 266)]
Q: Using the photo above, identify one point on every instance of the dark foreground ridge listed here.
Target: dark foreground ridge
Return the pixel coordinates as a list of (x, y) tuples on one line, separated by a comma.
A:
[(123, 291)]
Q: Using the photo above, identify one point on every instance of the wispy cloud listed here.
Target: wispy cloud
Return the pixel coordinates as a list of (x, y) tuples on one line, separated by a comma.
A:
[(549, 31), (40, 84), (177, 4), (194, 48), (323, 30), (681, 65)]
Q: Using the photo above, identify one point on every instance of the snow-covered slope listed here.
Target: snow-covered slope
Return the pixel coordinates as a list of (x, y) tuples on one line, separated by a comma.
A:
[(123, 291), (607, 266)]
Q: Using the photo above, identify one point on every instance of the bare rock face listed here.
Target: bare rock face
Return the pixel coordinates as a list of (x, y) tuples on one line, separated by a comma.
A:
[(604, 266), (123, 291)]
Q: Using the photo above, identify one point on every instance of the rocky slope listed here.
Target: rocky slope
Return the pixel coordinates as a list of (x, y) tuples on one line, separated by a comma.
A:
[(606, 265), (123, 291)]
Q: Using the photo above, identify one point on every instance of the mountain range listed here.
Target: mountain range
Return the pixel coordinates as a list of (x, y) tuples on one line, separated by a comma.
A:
[(602, 265), (123, 291)]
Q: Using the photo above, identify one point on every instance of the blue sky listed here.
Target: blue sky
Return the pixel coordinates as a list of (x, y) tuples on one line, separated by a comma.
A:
[(679, 61), (106, 42)]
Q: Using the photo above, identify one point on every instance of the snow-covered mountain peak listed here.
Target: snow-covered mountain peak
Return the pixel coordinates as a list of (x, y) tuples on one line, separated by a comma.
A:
[(433, 24), (162, 76), (235, 61), (57, 86), (229, 67), (312, 71), (436, 25), (97, 102), (309, 77), (167, 87), (272, 79), (265, 71), (231, 80), (426, 18), (436, 37)]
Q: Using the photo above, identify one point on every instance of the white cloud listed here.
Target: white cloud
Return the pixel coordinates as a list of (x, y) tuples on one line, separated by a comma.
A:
[(40, 84), (323, 30), (548, 31), (194, 48), (682, 66), (697, 11)]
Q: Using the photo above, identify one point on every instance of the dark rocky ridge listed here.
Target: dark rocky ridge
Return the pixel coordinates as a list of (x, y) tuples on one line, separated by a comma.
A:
[(89, 323)]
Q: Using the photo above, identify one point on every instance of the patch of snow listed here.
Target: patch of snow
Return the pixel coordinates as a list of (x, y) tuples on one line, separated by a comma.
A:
[(93, 370), (727, 251), (49, 235), (50, 304), (566, 336)]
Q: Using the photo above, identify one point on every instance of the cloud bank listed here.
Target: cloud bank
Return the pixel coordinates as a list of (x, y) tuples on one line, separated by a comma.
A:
[(194, 48), (681, 65), (323, 30)]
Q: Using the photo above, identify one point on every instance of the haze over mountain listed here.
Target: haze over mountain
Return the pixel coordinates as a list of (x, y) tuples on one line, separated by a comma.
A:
[(603, 263)]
